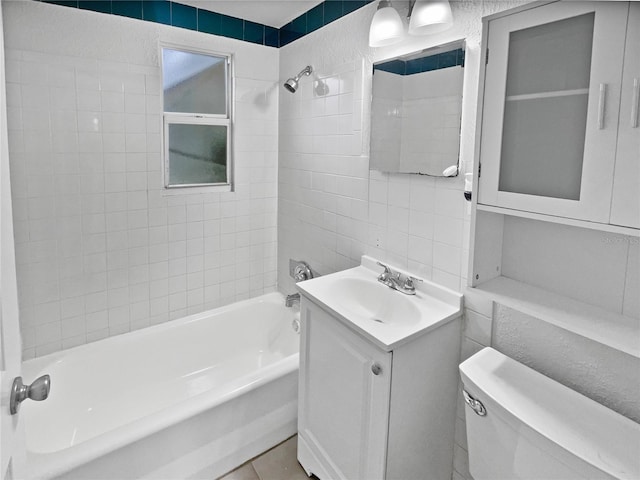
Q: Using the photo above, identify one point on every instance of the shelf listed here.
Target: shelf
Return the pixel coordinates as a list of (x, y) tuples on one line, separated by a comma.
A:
[(559, 93), (607, 328), (604, 227)]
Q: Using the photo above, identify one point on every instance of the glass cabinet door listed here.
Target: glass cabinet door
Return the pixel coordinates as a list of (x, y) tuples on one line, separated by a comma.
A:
[(552, 91)]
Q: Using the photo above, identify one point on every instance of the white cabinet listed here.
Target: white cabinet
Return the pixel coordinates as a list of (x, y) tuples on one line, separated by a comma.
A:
[(368, 414), (625, 207), (344, 401), (557, 216), (556, 112)]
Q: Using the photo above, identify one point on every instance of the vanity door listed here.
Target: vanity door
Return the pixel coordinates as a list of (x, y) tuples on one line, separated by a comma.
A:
[(343, 411), (551, 104)]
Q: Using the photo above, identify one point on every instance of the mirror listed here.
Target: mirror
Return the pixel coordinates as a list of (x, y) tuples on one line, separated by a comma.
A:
[(416, 110)]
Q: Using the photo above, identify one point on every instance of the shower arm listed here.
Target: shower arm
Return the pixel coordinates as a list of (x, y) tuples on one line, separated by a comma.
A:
[(305, 71)]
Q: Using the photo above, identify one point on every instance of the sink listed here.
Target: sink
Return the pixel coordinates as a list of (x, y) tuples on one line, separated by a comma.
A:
[(374, 301), (385, 316)]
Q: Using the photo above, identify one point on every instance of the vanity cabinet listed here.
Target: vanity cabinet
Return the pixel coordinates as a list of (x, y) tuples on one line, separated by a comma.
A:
[(366, 413), (560, 91)]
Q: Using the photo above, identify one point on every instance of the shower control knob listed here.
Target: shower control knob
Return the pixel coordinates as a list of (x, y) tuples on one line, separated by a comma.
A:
[(302, 272), (38, 391), (376, 369)]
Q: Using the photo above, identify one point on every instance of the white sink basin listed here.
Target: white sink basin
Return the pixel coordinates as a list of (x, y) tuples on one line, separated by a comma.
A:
[(387, 317), (374, 301)]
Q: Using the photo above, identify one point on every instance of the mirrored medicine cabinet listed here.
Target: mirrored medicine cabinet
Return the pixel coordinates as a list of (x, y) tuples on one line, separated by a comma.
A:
[(416, 109)]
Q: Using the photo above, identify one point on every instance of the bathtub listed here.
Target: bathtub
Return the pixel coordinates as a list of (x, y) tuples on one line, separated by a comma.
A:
[(191, 398)]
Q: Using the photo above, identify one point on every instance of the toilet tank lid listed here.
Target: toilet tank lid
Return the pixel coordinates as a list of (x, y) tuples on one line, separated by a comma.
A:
[(590, 431)]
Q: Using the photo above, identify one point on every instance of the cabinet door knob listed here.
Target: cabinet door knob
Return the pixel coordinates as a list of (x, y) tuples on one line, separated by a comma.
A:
[(376, 369)]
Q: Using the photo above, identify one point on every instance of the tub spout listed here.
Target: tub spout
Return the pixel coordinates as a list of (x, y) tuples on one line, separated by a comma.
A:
[(294, 297)]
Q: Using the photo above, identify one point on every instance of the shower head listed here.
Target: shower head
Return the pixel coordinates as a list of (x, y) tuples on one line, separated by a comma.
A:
[(292, 83)]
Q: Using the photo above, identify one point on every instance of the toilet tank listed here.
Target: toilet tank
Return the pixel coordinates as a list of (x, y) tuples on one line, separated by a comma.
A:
[(536, 428)]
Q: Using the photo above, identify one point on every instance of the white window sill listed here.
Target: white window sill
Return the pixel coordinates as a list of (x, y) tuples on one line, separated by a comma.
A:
[(196, 190)]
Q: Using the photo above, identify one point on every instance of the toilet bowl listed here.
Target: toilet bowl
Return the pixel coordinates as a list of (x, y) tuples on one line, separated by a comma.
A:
[(523, 425)]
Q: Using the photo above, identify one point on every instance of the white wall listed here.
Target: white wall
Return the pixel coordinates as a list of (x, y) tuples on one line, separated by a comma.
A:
[(101, 249)]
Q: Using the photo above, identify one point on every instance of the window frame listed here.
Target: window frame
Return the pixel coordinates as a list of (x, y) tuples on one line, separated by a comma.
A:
[(172, 118)]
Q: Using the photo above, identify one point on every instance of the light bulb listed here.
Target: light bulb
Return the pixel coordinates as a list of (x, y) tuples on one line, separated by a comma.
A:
[(430, 16), (386, 27)]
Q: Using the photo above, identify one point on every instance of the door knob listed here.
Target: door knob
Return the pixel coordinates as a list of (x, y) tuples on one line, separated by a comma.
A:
[(376, 369), (38, 391)]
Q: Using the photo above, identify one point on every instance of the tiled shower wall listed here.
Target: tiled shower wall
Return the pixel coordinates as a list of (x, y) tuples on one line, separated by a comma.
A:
[(323, 178), (100, 248), (331, 208)]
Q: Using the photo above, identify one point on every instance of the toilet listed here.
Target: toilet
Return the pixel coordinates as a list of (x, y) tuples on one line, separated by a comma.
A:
[(523, 425)]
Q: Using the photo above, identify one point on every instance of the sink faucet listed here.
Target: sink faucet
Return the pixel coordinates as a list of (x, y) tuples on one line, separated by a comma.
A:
[(294, 297), (396, 281), (387, 277)]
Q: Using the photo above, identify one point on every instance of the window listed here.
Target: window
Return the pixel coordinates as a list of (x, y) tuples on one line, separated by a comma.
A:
[(197, 118)]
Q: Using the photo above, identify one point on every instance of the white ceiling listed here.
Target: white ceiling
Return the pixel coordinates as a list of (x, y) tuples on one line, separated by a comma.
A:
[(274, 13)]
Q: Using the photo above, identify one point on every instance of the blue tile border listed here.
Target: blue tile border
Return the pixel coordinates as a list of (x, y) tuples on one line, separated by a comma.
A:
[(271, 36), (131, 9), (184, 16), (209, 22), (424, 64), (176, 14), (158, 11), (322, 14), (103, 6)]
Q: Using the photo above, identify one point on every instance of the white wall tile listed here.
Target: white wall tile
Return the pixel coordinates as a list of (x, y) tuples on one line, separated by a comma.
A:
[(447, 258), (90, 133), (478, 302), (448, 230), (421, 224), (85, 100), (478, 327), (631, 305), (112, 101)]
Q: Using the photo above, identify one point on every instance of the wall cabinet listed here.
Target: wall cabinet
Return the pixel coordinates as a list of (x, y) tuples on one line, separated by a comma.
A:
[(560, 110), (366, 413), (556, 221), (625, 207)]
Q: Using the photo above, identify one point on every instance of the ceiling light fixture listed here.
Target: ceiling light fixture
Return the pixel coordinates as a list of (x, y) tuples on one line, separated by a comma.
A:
[(427, 16), (430, 16), (386, 26)]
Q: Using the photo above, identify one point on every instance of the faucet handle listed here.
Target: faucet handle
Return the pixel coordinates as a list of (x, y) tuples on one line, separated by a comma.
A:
[(387, 270), (408, 283)]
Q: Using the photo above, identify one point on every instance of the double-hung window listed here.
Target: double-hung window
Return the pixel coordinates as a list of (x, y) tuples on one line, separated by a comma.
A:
[(197, 118)]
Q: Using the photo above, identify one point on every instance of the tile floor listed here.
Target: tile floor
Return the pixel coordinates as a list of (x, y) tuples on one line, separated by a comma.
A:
[(279, 463)]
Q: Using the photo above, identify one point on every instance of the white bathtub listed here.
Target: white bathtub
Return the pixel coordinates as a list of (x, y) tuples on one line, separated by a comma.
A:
[(191, 398)]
